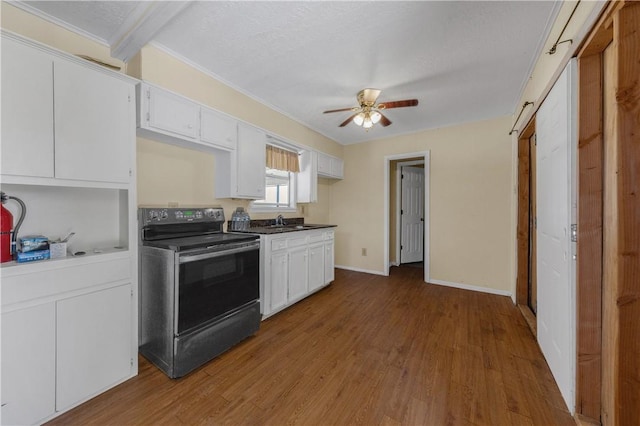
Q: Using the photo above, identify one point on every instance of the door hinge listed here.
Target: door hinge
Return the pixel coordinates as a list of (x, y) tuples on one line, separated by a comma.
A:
[(132, 362), (131, 174), (148, 94), (401, 247), (129, 98), (402, 176), (401, 211), (148, 117), (574, 232)]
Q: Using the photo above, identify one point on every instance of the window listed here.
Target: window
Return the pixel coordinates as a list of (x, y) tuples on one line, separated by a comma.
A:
[(279, 192)]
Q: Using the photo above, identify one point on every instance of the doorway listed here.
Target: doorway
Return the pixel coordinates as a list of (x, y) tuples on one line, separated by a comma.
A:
[(392, 209), (532, 283), (411, 214), (526, 289)]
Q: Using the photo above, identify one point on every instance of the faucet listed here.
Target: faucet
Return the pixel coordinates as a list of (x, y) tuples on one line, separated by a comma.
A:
[(280, 220)]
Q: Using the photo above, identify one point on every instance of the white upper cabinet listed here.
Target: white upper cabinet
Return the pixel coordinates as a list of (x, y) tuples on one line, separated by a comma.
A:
[(337, 168), (93, 125), (324, 164), (169, 113), (217, 129), (172, 118), (307, 184), (241, 173), (330, 167), (63, 119), (27, 110), (313, 165), (251, 162)]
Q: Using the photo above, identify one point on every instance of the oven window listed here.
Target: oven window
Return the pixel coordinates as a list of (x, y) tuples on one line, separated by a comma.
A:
[(211, 288)]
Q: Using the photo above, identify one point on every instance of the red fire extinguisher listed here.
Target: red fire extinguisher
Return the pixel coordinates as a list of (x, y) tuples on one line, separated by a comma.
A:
[(8, 232)]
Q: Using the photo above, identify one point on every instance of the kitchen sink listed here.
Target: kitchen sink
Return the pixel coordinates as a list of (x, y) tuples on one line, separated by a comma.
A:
[(276, 229), (294, 226)]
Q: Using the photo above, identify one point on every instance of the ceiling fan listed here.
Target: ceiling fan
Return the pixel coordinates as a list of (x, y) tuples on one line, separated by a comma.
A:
[(369, 113)]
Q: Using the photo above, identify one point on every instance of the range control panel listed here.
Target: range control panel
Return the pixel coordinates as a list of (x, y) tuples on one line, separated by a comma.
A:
[(151, 216)]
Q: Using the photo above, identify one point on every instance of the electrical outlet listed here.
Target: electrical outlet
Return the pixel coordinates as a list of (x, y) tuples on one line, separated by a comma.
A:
[(364, 251)]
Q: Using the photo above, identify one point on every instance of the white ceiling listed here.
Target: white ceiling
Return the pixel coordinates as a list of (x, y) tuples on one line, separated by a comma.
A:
[(463, 61)]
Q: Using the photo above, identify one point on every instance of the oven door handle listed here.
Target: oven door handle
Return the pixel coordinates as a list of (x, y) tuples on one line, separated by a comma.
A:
[(211, 255)]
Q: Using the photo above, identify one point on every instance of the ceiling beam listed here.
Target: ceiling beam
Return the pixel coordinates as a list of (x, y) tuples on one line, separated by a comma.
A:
[(141, 25)]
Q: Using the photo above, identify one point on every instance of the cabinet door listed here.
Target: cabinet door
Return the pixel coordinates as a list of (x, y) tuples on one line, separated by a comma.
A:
[(28, 364), (171, 113), (307, 179), (329, 262), (298, 275), (251, 162), (94, 343), (324, 164), (94, 124), (337, 168), (217, 129), (279, 280), (27, 111), (316, 266)]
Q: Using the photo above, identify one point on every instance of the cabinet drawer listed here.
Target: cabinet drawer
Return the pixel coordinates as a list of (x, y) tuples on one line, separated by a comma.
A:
[(31, 285), (278, 244), (299, 241), (317, 237)]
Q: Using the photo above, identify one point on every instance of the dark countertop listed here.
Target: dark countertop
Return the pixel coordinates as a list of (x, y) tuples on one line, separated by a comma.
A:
[(279, 229)]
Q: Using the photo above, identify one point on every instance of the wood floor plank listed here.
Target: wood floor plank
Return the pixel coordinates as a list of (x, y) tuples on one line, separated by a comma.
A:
[(367, 350)]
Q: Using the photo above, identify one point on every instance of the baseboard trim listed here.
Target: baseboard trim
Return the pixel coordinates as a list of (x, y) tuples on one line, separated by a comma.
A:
[(366, 271), (471, 287)]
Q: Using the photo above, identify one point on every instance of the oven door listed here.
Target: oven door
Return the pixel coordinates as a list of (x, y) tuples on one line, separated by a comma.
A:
[(215, 283)]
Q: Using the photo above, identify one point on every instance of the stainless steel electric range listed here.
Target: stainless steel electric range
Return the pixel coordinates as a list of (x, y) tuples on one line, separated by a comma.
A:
[(199, 287)]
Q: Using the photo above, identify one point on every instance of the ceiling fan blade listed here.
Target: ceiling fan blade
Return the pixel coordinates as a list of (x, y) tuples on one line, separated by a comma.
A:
[(370, 95), (347, 121), (399, 104), (338, 110), (384, 121)]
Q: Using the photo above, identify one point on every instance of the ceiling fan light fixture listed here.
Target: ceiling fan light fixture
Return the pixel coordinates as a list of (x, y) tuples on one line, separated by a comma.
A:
[(368, 123), (375, 117), (367, 113)]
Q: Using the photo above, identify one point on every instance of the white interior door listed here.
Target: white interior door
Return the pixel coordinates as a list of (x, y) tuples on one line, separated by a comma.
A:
[(556, 145), (412, 215)]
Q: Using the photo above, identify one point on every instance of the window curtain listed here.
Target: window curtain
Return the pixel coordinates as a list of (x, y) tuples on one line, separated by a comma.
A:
[(282, 159)]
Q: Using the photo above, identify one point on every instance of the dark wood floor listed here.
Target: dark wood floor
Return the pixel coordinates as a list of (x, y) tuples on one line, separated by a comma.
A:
[(368, 350)]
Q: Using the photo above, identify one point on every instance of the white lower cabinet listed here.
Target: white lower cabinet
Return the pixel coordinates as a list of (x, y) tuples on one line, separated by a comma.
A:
[(278, 278), (28, 364), (298, 275), (68, 333), (295, 265), (329, 260), (316, 266), (93, 343)]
